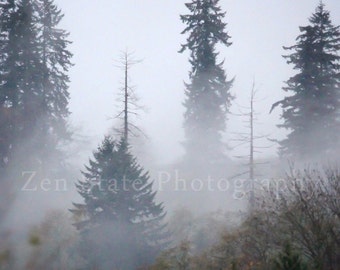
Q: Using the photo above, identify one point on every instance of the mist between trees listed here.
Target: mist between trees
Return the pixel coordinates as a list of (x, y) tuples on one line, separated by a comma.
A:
[(124, 210)]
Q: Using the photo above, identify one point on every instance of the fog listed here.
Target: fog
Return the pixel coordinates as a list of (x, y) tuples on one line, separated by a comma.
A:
[(151, 30), (101, 30), (195, 199)]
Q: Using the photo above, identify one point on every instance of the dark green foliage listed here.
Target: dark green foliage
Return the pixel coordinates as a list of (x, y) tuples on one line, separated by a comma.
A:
[(55, 63), (124, 227), (207, 95), (19, 79), (33, 89), (6, 96), (288, 259), (311, 113), (34, 61)]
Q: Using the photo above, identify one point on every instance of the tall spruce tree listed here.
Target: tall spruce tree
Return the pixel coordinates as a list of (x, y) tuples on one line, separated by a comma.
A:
[(124, 226), (28, 83), (208, 94), (311, 113), (19, 91), (55, 63), (34, 82), (34, 61), (7, 96), (19, 79)]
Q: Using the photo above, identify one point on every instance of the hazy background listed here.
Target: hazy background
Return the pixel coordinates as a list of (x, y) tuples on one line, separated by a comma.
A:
[(151, 28)]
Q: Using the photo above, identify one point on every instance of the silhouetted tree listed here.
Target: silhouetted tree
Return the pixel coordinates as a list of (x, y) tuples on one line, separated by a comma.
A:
[(249, 138), (34, 80), (19, 92), (20, 80), (129, 99), (207, 95), (55, 59), (124, 226), (311, 112), (34, 61), (6, 100), (7, 21)]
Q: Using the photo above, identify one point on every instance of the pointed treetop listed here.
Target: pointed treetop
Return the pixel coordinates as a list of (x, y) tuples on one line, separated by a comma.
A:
[(205, 21)]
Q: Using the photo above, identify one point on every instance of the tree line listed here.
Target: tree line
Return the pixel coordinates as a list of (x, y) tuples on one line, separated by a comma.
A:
[(121, 225)]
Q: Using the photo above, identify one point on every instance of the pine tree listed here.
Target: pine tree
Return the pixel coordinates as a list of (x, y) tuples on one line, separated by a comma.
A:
[(208, 93), (19, 79), (27, 80), (6, 101), (34, 95), (311, 113), (34, 84), (7, 94), (55, 60), (19, 95), (124, 226)]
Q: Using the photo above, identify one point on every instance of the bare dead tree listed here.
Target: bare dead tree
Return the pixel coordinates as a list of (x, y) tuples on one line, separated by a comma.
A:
[(307, 208), (249, 138), (128, 97)]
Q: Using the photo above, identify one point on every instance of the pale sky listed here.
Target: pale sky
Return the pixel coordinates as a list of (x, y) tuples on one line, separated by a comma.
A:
[(101, 29)]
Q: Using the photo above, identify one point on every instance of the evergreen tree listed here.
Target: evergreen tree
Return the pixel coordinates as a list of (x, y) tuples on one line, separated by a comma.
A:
[(27, 80), (34, 83), (311, 113), (19, 94), (123, 228), (6, 10), (55, 63), (34, 61), (207, 95), (18, 76)]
